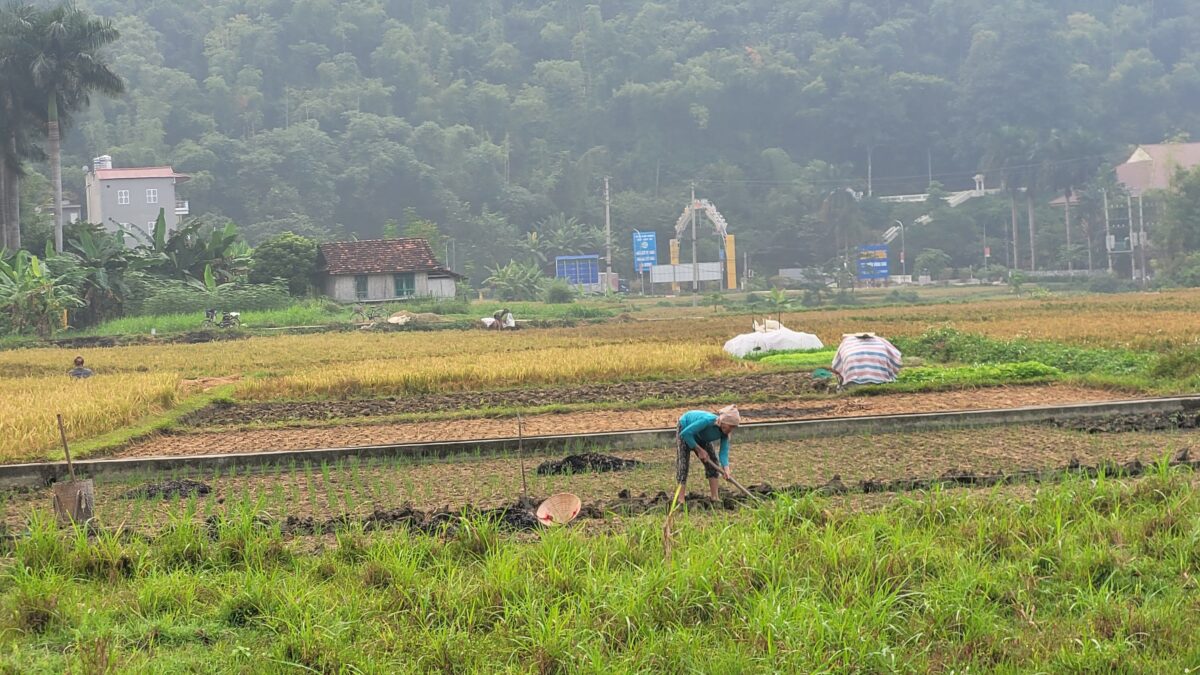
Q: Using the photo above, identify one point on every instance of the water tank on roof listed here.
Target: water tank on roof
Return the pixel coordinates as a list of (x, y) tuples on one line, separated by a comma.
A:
[(102, 162)]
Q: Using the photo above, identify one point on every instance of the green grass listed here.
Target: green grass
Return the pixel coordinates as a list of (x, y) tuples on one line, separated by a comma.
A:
[(947, 345), (801, 358), (296, 315), (980, 375), (316, 314), (1083, 576)]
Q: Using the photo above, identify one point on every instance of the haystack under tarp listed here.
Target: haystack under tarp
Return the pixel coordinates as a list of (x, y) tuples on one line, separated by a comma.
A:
[(776, 339)]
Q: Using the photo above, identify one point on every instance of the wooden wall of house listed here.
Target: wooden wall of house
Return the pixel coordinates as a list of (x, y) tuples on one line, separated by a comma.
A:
[(382, 287), (442, 287)]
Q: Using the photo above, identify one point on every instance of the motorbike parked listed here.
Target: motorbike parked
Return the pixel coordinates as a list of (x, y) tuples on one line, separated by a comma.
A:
[(228, 319)]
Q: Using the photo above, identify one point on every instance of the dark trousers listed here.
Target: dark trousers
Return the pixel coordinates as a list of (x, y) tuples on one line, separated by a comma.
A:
[(683, 456)]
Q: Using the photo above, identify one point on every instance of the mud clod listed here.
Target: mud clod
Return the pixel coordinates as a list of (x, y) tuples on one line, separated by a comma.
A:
[(170, 489), (588, 461)]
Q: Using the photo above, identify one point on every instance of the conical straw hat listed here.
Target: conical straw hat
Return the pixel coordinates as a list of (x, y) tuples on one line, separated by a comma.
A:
[(559, 509)]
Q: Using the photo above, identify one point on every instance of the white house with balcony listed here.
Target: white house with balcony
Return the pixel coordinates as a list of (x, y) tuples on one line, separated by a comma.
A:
[(131, 197)]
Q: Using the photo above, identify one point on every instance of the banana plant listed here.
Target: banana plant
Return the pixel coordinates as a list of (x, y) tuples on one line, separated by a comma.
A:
[(515, 281), (102, 261), (184, 253), (31, 297)]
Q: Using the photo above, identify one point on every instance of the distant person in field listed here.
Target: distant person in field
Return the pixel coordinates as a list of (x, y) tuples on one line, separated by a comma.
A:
[(79, 372), (696, 432), (866, 358), (503, 319)]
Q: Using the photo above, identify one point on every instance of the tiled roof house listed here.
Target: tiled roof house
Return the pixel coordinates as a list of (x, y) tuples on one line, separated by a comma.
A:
[(376, 270)]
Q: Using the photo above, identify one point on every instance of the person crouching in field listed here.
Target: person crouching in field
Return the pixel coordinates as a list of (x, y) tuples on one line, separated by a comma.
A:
[(866, 358), (696, 432), (79, 372)]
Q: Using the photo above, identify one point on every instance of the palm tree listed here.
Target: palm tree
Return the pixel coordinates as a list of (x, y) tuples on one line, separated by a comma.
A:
[(67, 66), (17, 119), (1011, 153)]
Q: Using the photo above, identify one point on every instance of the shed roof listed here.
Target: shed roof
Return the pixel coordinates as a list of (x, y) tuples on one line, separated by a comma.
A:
[(1151, 166), (381, 256)]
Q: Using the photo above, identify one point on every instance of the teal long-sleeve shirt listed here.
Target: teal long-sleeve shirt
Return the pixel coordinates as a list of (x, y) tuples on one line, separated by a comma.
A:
[(699, 426)]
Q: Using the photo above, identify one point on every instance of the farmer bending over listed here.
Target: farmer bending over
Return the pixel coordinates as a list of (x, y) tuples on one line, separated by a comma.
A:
[(79, 372), (696, 432)]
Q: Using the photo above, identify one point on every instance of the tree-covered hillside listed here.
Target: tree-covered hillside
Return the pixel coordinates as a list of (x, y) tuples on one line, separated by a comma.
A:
[(486, 116)]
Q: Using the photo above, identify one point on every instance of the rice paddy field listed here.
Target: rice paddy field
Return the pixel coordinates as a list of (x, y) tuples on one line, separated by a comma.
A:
[(684, 343), (402, 564)]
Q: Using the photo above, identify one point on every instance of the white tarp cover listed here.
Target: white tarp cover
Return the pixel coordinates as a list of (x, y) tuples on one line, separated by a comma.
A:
[(778, 340)]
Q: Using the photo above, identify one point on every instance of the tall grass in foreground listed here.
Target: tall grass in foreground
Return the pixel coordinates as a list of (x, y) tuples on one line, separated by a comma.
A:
[(28, 406), (1084, 576), (465, 371)]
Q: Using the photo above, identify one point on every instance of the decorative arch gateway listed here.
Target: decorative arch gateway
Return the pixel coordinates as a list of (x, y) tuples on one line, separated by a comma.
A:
[(720, 225)]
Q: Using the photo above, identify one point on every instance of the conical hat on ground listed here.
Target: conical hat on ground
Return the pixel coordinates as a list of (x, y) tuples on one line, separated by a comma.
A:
[(559, 509)]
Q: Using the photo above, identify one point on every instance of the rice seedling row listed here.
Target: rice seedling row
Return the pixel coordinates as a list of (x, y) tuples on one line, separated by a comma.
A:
[(357, 488)]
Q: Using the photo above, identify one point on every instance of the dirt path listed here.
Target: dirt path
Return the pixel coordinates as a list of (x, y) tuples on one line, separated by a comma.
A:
[(583, 422)]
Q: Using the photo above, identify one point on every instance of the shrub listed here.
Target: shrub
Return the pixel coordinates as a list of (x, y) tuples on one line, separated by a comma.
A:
[(180, 298), (559, 292), (286, 256), (1178, 364), (900, 296), (1110, 283)]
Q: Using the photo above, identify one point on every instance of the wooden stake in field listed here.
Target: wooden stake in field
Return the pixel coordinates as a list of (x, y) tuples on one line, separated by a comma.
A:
[(74, 501), (668, 529), (521, 456)]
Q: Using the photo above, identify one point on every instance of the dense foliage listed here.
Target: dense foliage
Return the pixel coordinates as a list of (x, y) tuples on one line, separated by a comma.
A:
[(287, 256), (324, 117)]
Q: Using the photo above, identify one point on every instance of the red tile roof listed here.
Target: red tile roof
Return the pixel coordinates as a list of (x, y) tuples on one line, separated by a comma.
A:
[(380, 256), (141, 172)]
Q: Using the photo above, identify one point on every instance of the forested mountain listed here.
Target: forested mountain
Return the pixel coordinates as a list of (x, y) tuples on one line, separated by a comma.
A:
[(332, 117)]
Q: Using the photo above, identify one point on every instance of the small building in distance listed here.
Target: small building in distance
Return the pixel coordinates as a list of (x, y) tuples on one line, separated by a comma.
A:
[(1152, 166), (378, 270), (133, 196)]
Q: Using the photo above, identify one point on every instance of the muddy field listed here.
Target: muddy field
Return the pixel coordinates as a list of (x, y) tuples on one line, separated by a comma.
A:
[(596, 421), (354, 490), (777, 385)]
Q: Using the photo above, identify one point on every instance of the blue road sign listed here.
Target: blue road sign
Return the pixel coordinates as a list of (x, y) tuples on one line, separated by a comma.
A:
[(872, 262), (578, 270), (645, 251)]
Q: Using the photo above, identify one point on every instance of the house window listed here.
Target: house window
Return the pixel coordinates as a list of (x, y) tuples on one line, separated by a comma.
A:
[(360, 286), (151, 195), (122, 196), (405, 284)]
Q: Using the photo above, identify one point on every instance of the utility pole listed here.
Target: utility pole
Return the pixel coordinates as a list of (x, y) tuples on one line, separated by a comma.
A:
[(1129, 221), (1142, 237), (1107, 230), (1067, 218), (607, 238), (695, 264)]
